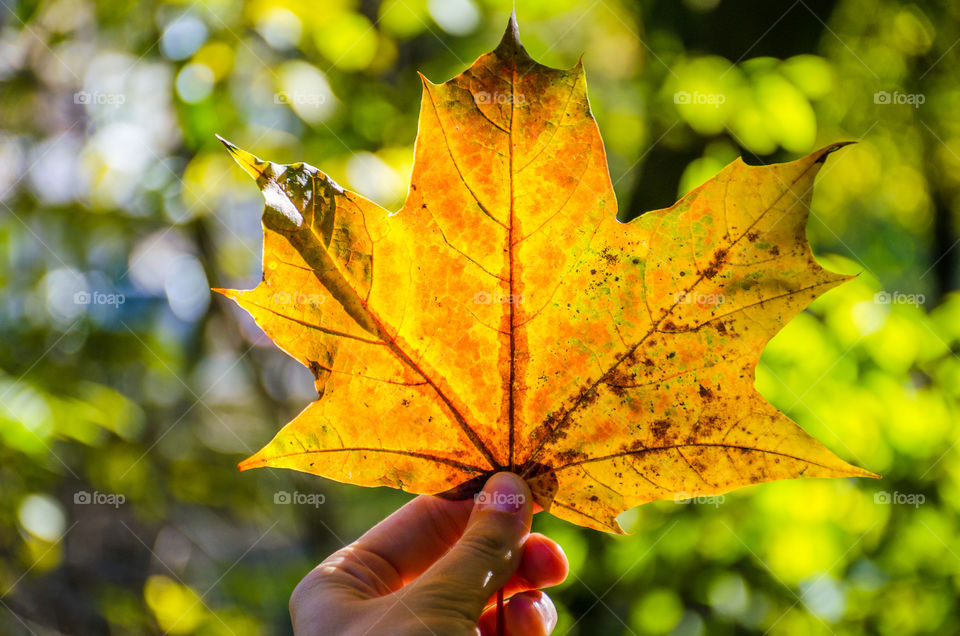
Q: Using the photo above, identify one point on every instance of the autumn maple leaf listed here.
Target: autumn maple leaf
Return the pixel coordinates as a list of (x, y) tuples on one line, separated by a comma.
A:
[(503, 319)]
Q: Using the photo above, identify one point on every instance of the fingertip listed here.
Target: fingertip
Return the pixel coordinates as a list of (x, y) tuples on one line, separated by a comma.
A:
[(505, 492), (529, 613), (543, 562)]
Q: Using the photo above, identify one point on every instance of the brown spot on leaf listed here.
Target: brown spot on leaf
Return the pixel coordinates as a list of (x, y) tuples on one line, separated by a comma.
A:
[(617, 379), (570, 457), (715, 264), (589, 397), (659, 430)]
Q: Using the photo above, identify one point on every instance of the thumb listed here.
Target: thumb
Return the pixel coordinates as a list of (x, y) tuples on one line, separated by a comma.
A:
[(487, 554)]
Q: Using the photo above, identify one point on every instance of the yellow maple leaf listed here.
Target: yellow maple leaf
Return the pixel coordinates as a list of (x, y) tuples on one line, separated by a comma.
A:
[(503, 319)]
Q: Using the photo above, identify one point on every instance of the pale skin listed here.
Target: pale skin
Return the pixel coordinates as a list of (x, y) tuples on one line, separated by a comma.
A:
[(434, 567)]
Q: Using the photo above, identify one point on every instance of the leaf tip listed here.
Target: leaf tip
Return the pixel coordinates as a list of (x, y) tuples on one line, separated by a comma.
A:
[(851, 470), (512, 27), (250, 462), (510, 45), (427, 84), (226, 143), (251, 164), (823, 153), (229, 293)]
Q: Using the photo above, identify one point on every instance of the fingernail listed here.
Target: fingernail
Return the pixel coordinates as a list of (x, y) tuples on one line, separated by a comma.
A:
[(505, 492), (547, 611)]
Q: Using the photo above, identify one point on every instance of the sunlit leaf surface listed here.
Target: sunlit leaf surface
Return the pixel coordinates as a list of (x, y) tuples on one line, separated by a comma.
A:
[(503, 319)]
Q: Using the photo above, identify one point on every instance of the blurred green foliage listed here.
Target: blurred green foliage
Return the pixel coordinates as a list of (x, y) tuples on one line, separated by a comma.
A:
[(128, 394)]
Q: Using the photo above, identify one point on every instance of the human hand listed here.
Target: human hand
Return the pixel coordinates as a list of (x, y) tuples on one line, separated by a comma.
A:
[(434, 567)]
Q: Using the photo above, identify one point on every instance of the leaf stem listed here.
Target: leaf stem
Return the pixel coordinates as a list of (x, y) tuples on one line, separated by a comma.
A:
[(500, 631)]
